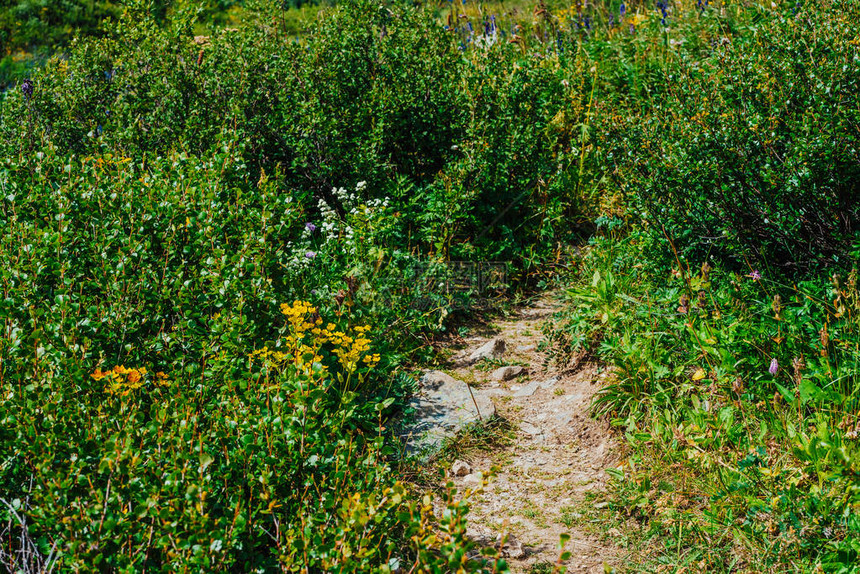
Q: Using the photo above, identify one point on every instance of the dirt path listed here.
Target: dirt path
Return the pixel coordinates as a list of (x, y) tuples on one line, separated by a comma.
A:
[(557, 456)]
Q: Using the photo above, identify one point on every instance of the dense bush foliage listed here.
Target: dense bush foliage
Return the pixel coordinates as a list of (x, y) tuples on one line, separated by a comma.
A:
[(464, 147), (749, 385), (163, 194), (260, 461), (757, 154), (720, 289)]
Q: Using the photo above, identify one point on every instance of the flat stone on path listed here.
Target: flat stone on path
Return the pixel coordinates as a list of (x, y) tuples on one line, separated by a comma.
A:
[(490, 350), (506, 373), (443, 406), (529, 389), (460, 468)]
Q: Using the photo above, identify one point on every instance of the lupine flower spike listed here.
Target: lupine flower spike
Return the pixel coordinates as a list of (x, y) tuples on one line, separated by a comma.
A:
[(27, 88)]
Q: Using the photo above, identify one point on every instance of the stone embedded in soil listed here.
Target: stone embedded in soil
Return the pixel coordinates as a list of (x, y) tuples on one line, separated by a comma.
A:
[(513, 548), (506, 373), (529, 389), (460, 468), (530, 429), (443, 406), (490, 350), (473, 478)]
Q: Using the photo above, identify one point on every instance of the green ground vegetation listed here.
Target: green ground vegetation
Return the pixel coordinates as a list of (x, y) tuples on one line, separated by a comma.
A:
[(225, 237)]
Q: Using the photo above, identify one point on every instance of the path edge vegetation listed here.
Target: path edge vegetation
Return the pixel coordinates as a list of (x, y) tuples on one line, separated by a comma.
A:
[(164, 195)]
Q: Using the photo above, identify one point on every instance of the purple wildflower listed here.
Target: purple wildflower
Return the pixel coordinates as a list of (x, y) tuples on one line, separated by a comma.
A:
[(622, 10), (663, 6), (755, 275), (27, 88), (310, 227), (310, 254), (774, 367)]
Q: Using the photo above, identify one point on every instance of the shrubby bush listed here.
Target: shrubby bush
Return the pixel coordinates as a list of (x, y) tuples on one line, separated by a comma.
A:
[(753, 153), (465, 148), (263, 459), (735, 388), (721, 285), (161, 198)]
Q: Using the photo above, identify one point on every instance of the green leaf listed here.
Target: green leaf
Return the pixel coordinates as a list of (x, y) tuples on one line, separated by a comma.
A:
[(809, 391), (563, 539), (205, 460), (786, 394)]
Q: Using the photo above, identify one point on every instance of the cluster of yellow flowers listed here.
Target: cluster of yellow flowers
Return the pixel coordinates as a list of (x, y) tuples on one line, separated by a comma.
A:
[(120, 380), (303, 320), (566, 15), (267, 355), (349, 350), (298, 314)]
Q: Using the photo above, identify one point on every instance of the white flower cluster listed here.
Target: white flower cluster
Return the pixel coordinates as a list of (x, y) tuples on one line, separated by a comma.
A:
[(377, 203), (484, 42), (347, 199), (320, 238), (330, 220)]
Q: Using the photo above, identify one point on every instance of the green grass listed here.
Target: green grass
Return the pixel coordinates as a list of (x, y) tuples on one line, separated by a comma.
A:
[(719, 447), (162, 199), (479, 437)]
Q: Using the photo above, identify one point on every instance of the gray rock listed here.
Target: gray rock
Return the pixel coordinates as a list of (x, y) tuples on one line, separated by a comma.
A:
[(530, 429), (506, 373), (443, 406), (524, 348), (490, 350), (460, 468), (473, 478), (529, 389), (513, 548)]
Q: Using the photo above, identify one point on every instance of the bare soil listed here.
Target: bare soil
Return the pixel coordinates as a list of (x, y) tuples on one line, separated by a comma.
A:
[(557, 454)]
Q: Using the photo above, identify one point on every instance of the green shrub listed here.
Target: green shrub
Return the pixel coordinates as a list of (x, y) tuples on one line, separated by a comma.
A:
[(753, 156), (477, 151), (260, 460), (744, 387)]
